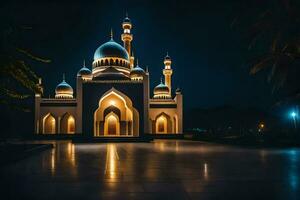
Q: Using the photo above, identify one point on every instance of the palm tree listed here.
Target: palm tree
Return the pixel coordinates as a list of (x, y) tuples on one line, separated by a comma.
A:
[(17, 80), (273, 32)]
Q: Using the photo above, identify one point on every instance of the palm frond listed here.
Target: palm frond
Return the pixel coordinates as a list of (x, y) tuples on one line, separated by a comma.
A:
[(26, 52)]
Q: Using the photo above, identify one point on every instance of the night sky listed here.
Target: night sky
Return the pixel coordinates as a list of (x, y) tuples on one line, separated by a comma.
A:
[(208, 56)]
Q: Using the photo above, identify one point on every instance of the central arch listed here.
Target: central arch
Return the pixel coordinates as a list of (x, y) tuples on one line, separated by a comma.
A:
[(163, 124), (112, 125), (116, 112)]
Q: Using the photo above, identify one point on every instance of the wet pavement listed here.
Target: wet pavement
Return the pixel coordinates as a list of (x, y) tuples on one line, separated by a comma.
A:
[(163, 169)]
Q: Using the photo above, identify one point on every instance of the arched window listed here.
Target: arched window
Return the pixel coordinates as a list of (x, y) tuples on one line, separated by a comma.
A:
[(101, 63), (111, 61), (117, 62), (162, 123), (106, 62), (67, 124), (111, 125), (49, 124), (71, 124)]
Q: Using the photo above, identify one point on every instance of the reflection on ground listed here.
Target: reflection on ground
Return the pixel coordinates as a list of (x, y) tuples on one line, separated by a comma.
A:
[(164, 169)]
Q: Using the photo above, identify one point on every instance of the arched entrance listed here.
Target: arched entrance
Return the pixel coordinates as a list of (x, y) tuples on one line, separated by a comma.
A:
[(116, 116), (67, 124), (71, 124), (163, 124), (49, 124), (111, 125)]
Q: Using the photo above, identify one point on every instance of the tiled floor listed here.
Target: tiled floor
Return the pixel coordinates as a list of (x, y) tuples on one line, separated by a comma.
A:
[(164, 169)]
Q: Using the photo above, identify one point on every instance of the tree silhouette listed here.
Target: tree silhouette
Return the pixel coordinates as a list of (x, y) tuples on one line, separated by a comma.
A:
[(17, 79), (272, 29)]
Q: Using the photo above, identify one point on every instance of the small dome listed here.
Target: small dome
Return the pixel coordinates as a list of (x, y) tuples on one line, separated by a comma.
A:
[(111, 49), (167, 57), (137, 71), (110, 73), (126, 20), (63, 90), (161, 89), (84, 71), (178, 90)]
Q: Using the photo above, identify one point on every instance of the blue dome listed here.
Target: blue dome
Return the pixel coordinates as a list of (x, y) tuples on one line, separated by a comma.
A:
[(137, 71), (63, 90), (126, 20), (161, 89), (167, 57), (63, 87), (111, 49), (84, 71)]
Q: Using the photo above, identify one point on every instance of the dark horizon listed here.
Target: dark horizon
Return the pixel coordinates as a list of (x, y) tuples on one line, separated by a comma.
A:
[(209, 56)]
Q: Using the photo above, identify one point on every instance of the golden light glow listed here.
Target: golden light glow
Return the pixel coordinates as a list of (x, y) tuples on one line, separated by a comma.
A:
[(111, 167), (205, 170), (261, 125), (112, 102), (49, 124), (112, 125), (52, 160), (71, 153), (71, 124), (127, 114), (161, 124)]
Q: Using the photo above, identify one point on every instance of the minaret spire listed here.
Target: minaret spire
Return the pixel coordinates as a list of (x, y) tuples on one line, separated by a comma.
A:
[(168, 72), (111, 34), (127, 37)]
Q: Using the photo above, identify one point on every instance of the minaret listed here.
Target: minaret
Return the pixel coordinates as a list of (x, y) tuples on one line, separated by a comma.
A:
[(132, 60), (168, 72), (127, 37)]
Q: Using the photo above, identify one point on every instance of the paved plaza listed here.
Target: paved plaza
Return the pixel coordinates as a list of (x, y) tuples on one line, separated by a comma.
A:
[(163, 169)]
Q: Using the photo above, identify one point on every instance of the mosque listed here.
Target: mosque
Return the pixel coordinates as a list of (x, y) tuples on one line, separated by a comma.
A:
[(112, 98)]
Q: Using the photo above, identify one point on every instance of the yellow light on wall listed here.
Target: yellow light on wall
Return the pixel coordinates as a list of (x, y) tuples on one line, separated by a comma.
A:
[(112, 102)]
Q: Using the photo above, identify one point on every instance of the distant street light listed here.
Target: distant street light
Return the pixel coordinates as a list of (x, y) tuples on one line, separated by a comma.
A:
[(261, 127), (294, 117)]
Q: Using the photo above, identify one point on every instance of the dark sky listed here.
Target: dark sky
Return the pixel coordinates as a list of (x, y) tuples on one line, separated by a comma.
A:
[(208, 55)]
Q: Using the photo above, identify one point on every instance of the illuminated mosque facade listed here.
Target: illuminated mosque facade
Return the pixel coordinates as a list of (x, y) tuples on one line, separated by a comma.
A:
[(113, 98)]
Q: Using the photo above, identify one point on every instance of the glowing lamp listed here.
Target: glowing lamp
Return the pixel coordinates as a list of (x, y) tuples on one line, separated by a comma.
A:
[(261, 125), (293, 114)]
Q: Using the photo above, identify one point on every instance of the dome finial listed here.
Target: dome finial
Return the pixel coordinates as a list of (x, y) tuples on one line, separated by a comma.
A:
[(126, 14), (147, 70), (167, 53), (111, 34), (137, 62), (84, 62), (161, 80), (64, 78)]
